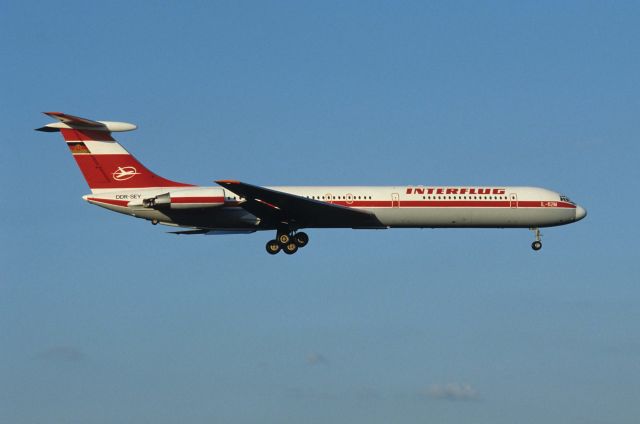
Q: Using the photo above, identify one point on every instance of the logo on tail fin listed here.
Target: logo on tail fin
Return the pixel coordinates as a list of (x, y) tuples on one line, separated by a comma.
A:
[(124, 173)]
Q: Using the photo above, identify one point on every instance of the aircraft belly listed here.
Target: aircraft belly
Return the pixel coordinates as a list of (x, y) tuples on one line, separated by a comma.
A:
[(424, 217), (473, 217)]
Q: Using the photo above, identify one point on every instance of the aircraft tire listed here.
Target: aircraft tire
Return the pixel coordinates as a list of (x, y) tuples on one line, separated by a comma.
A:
[(536, 245), (301, 239), (273, 247), (290, 248), (284, 239)]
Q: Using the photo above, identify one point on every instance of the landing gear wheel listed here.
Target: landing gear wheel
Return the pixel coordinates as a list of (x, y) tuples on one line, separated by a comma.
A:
[(154, 221), (273, 247), (288, 240), (537, 244), (301, 239), (284, 239), (290, 248)]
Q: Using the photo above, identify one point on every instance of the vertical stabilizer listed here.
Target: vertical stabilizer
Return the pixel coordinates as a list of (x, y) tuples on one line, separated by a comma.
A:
[(105, 164)]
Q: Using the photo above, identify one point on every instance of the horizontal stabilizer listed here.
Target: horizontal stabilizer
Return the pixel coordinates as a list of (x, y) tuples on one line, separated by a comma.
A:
[(66, 121)]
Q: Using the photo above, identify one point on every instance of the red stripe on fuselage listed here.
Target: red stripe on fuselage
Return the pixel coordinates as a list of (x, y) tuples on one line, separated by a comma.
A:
[(197, 200), (122, 203), (378, 203), (454, 204)]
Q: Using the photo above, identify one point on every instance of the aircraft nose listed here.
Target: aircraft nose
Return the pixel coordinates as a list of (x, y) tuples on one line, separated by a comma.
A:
[(580, 213)]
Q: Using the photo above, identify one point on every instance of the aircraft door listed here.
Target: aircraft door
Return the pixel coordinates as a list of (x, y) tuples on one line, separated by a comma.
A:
[(513, 200), (395, 200)]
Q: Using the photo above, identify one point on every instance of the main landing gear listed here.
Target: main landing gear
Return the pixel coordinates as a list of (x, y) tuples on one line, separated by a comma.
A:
[(537, 244), (287, 242)]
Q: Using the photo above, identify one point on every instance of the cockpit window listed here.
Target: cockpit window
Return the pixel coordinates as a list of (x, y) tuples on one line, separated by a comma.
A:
[(564, 198)]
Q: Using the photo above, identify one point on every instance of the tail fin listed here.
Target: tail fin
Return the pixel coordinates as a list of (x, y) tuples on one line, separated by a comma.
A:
[(105, 164)]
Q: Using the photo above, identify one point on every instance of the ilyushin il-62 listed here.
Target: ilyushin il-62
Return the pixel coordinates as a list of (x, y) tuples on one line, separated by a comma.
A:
[(120, 183)]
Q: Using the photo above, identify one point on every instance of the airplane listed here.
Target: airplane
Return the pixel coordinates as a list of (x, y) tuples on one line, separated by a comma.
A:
[(120, 183)]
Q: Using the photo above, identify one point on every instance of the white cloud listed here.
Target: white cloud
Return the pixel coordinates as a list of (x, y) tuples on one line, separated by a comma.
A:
[(452, 391)]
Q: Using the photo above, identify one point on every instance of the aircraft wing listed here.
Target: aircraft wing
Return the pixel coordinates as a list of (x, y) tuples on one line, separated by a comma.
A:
[(276, 207)]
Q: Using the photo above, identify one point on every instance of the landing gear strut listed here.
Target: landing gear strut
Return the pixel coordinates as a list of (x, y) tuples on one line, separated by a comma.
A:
[(537, 244), (288, 242)]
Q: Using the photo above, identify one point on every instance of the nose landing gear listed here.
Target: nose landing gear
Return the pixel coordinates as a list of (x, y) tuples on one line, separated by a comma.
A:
[(287, 242), (537, 244)]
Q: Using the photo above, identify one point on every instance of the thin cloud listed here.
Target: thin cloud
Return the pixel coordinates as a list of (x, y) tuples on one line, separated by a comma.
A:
[(61, 354), (452, 392), (315, 358)]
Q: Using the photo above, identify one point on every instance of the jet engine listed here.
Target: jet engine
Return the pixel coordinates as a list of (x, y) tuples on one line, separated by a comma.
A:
[(195, 198)]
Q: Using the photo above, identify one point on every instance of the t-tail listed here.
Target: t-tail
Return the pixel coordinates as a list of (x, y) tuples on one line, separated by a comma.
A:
[(105, 164)]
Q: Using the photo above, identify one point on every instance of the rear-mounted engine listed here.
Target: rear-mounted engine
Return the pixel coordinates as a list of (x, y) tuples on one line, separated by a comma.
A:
[(195, 198)]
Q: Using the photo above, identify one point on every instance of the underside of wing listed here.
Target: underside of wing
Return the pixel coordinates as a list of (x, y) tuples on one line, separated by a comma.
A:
[(207, 232), (280, 208)]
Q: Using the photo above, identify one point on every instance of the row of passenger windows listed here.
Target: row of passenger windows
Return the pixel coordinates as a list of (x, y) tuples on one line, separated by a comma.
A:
[(339, 197), (464, 197)]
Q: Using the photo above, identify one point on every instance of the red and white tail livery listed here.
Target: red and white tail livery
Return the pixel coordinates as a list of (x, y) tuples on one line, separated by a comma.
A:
[(105, 164), (119, 182)]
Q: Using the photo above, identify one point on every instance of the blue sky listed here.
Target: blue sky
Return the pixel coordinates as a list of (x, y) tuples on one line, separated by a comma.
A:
[(105, 319)]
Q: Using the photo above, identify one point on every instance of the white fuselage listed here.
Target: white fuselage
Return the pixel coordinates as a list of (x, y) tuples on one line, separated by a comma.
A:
[(394, 206), (119, 182)]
